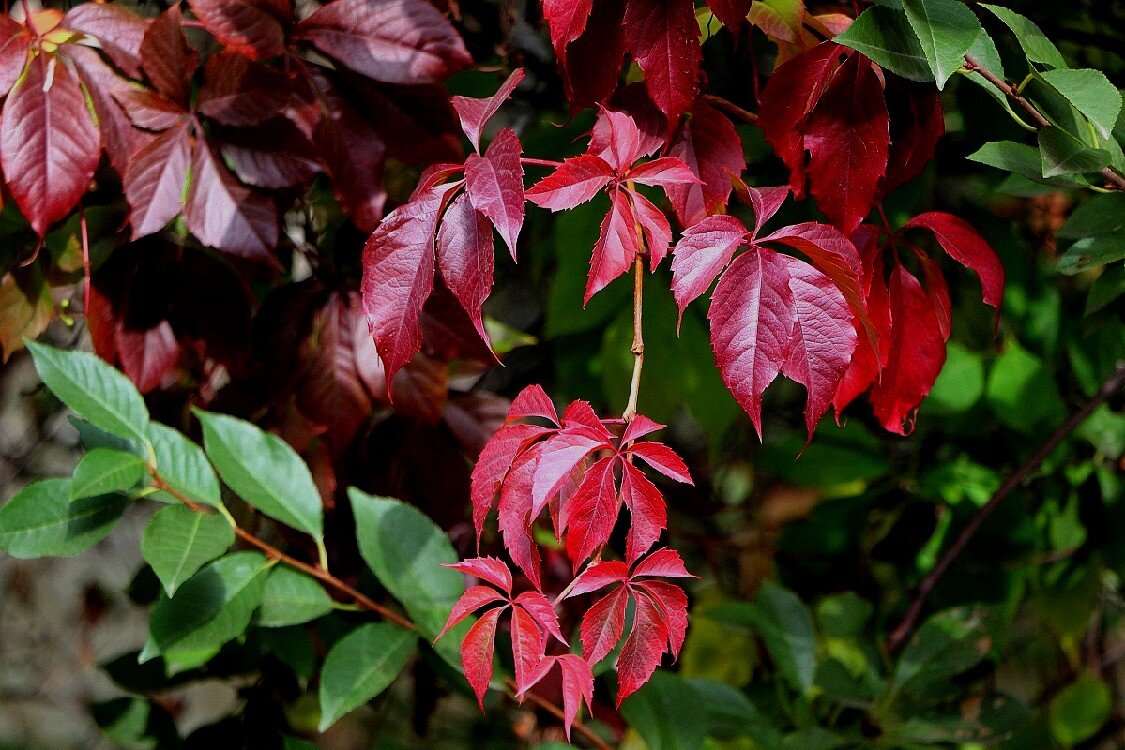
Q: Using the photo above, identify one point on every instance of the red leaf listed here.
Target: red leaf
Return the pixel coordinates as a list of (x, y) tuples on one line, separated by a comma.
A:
[(731, 12), (638, 427), (487, 569), (654, 224), (533, 401), (869, 357), (495, 460), (14, 44), (515, 514), (704, 250), (542, 611), (353, 155), (477, 651), (916, 126), (253, 28), (766, 201), (154, 182), (102, 84), (593, 511), (561, 454), (575, 181), (965, 245), (916, 356), (848, 137), (49, 143), (616, 246), (465, 258), (168, 61), (529, 644), (148, 109), (824, 338), (663, 172), (475, 113), (566, 20), (119, 32), (473, 599), (598, 576), (617, 139), (241, 93), (223, 214), (710, 146), (398, 276), (640, 656), (648, 515), (671, 602), (663, 563), (577, 686), (664, 39), (494, 183), (751, 325), (397, 41), (579, 414), (275, 154), (663, 459), (602, 625), (417, 122), (147, 355), (938, 292), (591, 64)]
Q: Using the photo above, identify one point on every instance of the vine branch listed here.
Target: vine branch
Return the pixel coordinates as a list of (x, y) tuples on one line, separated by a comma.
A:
[(1111, 386), (974, 65), (638, 348)]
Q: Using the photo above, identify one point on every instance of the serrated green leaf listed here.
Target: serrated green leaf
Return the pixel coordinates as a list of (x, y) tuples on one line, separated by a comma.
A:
[(41, 520), (102, 471), (1022, 160), (1035, 44), (264, 471), (291, 598), (884, 35), (1091, 93), (1062, 153), (93, 389), (946, 645), (178, 541), (1090, 252), (1101, 214), (213, 606), (183, 465), (360, 666), (946, 30)]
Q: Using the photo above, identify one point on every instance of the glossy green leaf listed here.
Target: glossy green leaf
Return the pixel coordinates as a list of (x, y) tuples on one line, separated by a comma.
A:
[(93, 389), (264, 471), (946, 645), (102, 471), (178, 541), (1091, 93), (1081, 709), (1062, 153), (41, 520), (183, 465), (985, 53), (1022, 392), (1100, 214), (1092, 252), (1035, 44), (884, 35), (360, 666), (291, 598), (946, 30), (1021, 159), (135, 723)]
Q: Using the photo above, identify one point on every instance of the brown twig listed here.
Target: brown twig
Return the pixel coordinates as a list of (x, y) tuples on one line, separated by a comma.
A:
[(906, 627), (730, 108), (974, 65), (557, 712), (638, 348), (529, 161)]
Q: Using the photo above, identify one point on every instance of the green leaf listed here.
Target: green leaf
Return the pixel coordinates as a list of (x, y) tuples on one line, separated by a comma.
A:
[(41, 520), (406, 551), (183, 465), (1080, 710), (985, 52), (658, 712), (1101, 214), (102, 471), (1062, 153), (178, 541), (884, 35), (1106, 289), (291, 598), (1035, 44), (135, 723), (960, 383), (1091, 93), (264, 471), (213, 606), (946, 645), (1091, 252), (1020, 159), (93, 389), (731, 714), (843, 615), (961, 479), (1022, 392), (360, 666), (946, 30)]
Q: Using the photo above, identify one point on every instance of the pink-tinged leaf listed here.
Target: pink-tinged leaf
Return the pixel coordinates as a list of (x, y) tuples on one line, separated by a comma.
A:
[(562, 452), (663, 173), (353, 155), (616, 247), (515, 515), (848, 140), (663, 563), (654, 224), (166, 58), (766, 201), (242, 93), (702, 253), (397, 41), (751, 325), (273, 155), (638, 427), (575, 181), (916, 356), (253, 28), (434, 175), (672, 603), (731, 12), (119, 32), (591, 64), (494, 183), (791, 93), (965, 245), (579, 414), (49, 143), (712, 150), (566, 20), (917, 124), (148, 109), (603, 624), (663, 459), (147, 355), (477, 651), (593, 511), (630, 126), (154, 182), (598, 576), (465, 258), (663, 37), (533, 401), (223, 214), (473, 599), (529, 644), (542, 611), (487, 569), (824, 338), (102, 83), (14, 44), (398, 276), (640, 656), (475, 113), (492, 466), (648, 514), (417, 122), (938, 292), (577, 687)]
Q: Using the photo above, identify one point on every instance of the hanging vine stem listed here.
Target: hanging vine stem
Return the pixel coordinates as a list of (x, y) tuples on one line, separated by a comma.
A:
[(638, 348)]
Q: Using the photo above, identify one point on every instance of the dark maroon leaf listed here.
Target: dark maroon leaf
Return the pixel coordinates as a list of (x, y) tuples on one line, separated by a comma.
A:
[(465, 257), (167, 60), (254, 28), (663, 37), (154, 182)]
